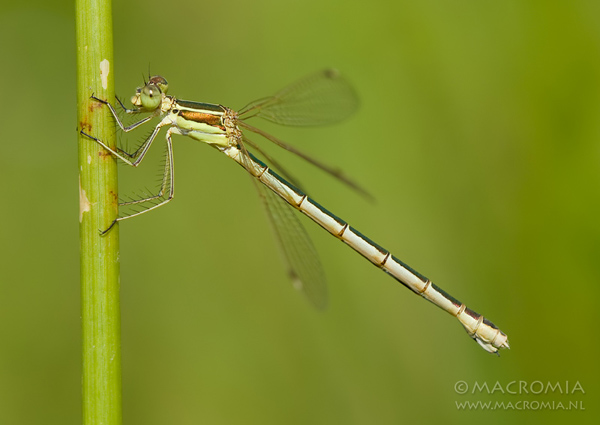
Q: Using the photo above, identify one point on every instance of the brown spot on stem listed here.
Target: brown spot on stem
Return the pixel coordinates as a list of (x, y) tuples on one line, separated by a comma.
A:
[(94, 105), (85, 126)]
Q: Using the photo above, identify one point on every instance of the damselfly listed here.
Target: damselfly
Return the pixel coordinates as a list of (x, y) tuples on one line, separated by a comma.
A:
[(321, 98)]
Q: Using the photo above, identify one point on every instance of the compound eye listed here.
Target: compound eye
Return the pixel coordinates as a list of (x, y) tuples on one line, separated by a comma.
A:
[(159, 82), (151, 97)]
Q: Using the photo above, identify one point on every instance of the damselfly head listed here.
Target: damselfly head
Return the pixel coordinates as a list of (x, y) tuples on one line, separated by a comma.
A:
[(151, 95)]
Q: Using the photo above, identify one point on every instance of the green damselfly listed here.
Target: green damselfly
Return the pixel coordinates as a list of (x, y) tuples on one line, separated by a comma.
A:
[(322, 98)]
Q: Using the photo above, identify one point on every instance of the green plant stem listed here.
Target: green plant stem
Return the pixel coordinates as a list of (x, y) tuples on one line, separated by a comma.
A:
[(100, 309)]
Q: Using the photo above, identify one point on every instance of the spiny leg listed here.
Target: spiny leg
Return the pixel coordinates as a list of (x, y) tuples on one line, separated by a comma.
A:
[(132, 159), (168, 181), (128, 111), (136, 159), (168, 184)]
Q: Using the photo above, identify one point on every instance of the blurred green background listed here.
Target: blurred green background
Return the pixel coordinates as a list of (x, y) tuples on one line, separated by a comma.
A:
[(479, 134)]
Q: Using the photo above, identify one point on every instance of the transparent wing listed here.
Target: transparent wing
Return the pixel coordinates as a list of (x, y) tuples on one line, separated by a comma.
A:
[(321, 98), (299, 253), (334, 172)]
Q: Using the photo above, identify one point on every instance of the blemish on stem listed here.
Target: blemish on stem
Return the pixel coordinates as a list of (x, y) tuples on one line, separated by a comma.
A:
[(104, 154), (84, 202), (85, 126), (104, 70), (114, 201), (94, 105)]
